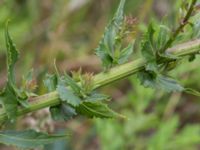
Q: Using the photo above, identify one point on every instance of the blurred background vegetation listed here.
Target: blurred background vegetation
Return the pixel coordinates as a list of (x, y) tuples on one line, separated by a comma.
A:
[(69, 31)]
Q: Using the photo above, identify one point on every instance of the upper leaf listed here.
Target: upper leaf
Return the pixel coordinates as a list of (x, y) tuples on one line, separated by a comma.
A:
[(163, 36), (12, 57), (28, 138), (111, 40), (10, 95), (147, 46)]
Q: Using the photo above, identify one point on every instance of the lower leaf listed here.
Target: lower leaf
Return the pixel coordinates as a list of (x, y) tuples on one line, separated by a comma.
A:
[(28, 138)]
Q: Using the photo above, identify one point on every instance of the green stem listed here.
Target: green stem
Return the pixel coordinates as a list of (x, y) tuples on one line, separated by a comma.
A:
[(183, 23), (102, 79)]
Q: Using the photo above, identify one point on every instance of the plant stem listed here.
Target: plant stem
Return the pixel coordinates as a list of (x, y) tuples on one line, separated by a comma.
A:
[(102, 79), (183, 23)]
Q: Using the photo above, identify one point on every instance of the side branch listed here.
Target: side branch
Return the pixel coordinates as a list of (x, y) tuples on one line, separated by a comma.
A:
[(102, 79)]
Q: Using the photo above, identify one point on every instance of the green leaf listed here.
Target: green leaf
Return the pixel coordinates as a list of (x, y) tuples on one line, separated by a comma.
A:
[(169, 84), (147, 46), (51, 82), (125, 54), (67, 95), (110, 41), (94, 97), (158, 81), (9, 102), (95, 109), (147, 78), (28, 138), (10, 95), (62, 112), (149, 51), (192, 91), (12, 57), (163, 36), (69, 81)]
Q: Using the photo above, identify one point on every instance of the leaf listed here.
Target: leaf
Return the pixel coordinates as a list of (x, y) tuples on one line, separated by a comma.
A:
[(95, 109), (67, 95), (147, 47), (69, 81), (10, 95), (149, 51), (62, 112), (125, 53), (9, 102), (28, 138), (94, 97), (163, 36), (168, 84), (158, 81), (111, 38), (147, 78), (12, 57), (192, 91), (51, 82)]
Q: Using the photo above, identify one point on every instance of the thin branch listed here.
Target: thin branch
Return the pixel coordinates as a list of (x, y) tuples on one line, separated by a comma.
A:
[(183, 23), (102, 79)]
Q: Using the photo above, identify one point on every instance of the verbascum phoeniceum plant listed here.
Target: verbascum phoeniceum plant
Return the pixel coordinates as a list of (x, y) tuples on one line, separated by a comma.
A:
[(76, 94)]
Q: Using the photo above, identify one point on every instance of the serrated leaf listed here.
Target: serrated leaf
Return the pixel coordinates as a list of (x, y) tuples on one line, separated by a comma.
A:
[(125, 54), (28, 138), (110, 40), (67, 95), (95, 109), (12, 57), (10, 96), (62, 112)]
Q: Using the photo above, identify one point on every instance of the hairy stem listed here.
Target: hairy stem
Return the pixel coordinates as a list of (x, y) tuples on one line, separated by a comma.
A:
[(102, 79)]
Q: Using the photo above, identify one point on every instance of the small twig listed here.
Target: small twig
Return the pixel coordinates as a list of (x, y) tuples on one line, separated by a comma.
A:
[(180, 28)]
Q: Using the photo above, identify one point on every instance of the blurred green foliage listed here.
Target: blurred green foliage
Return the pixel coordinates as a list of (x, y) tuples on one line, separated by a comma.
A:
[(69, 30)]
